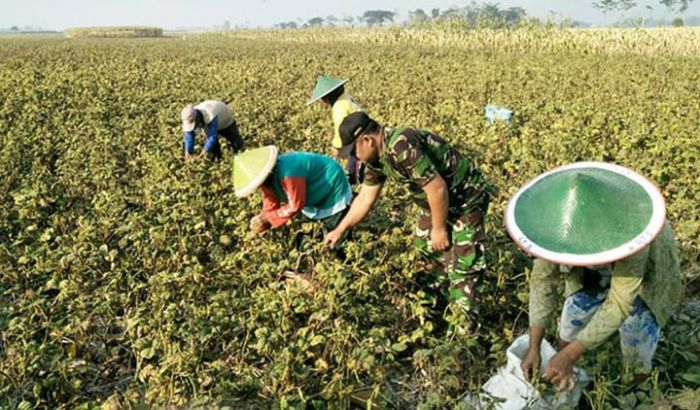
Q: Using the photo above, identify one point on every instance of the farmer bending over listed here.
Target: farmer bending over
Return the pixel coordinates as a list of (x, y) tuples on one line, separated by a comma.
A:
[(216, 118), (602, 228), (294, 183)]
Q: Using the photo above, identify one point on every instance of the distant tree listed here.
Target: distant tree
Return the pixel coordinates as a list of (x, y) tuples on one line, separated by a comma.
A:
[(288, 25), (615, 5), (476, 15), (417, 16), (678, 5), (651, 16), (605, 6), (332, 20), (631, 22), (514, 14), (315, 22), (625, 5), (451, 14), (14, 29), (677, 22), (349, 20), (490, 12), (374, 17), (491, 15), (227, 25), (571, 23)]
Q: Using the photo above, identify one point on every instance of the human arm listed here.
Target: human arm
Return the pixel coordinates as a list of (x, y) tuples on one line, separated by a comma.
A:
[(625, 286), (543, 302), (532, 361), (260, 223), (277, 214), (212, 135), (560, 369), (359, 209), (438, 200), (189, 143)]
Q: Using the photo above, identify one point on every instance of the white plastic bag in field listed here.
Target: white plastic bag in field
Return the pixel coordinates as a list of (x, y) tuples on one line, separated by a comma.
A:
[(508, 389)]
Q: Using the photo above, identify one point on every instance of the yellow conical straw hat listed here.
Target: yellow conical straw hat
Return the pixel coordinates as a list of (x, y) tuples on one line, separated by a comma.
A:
[(251, 168)]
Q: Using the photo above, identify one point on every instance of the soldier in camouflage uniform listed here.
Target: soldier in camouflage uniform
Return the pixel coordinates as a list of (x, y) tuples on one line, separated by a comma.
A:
[(448, 188)]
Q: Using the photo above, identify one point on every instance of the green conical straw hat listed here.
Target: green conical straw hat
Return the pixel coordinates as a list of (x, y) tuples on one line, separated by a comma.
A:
[(251, 168), (585, 214), (324, 85)]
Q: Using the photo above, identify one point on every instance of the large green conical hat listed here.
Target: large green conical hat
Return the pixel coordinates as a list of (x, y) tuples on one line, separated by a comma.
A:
[(584, 214), (251, 168), (324, 86)]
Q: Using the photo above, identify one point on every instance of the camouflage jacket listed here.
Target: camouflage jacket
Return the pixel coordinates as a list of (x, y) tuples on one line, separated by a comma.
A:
[(413, 157)]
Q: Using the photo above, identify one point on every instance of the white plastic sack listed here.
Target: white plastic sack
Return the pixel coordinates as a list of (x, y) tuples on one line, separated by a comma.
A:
[(508, 389)]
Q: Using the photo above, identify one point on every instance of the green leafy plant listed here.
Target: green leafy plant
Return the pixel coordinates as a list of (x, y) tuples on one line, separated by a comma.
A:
[(129, 278)]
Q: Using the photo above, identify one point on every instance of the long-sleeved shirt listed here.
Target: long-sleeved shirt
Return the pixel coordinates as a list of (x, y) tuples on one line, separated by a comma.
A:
[(217, 116), (342, 107), (307, 183), (210, 140), (653, 274)]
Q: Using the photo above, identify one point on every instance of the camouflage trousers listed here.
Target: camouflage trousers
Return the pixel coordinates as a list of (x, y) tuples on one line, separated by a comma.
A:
[(459, 268)]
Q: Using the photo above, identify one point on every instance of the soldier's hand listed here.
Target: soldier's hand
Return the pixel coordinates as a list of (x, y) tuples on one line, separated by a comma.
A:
[(439, 240), (333, 237)]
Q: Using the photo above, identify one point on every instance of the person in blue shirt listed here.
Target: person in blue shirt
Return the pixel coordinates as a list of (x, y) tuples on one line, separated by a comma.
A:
[(216, 119)]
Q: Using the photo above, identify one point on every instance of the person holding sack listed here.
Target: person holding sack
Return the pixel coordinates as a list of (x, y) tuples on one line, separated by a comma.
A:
[(601, 228)]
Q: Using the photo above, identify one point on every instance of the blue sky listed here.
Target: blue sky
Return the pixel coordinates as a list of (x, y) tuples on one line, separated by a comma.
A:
[(170, 14)]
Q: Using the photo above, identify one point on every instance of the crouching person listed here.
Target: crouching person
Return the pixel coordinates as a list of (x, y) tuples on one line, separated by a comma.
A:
[(216, 119), (294, 183), (603, 228)]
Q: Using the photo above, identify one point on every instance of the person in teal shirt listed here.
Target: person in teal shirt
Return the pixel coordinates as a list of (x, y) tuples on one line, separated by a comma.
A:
[(293, 183)]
